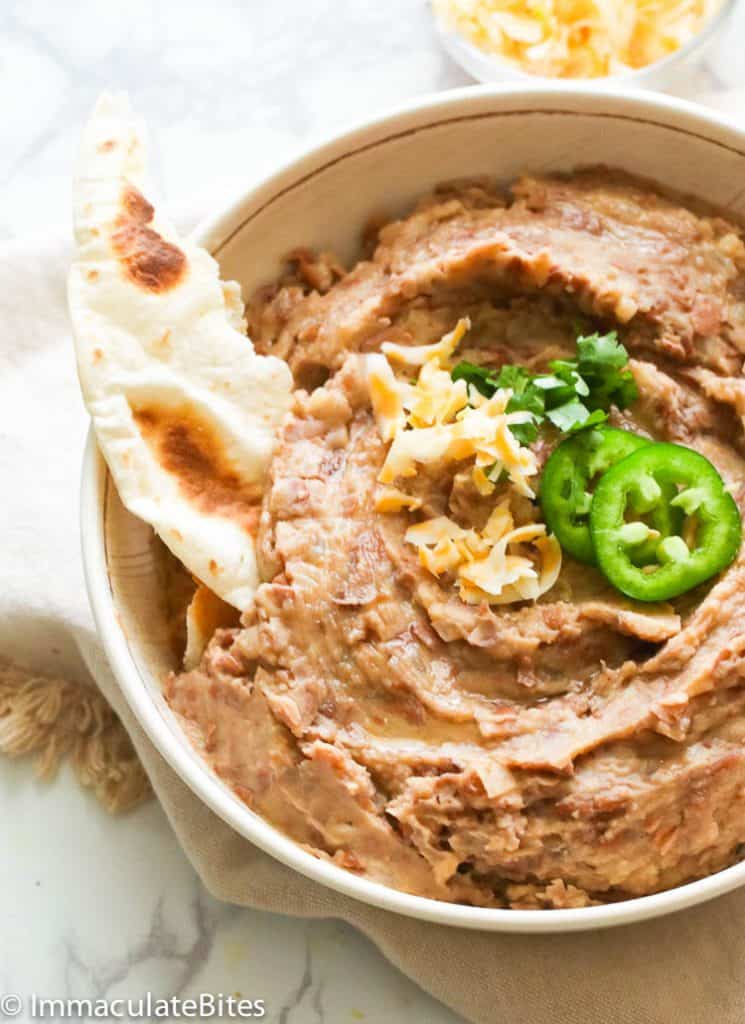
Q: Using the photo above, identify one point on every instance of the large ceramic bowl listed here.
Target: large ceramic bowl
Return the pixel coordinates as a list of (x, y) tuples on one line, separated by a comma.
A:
[(323, 200)]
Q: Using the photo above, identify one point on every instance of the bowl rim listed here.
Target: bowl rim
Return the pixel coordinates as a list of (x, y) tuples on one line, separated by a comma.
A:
[(214, 233)]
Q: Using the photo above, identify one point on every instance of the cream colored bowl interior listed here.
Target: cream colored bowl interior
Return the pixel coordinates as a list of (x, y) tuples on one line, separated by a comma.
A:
[(324, 201)]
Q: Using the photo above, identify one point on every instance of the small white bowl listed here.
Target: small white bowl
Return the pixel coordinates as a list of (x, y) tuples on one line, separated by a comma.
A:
[(672, 72), (323, 200)]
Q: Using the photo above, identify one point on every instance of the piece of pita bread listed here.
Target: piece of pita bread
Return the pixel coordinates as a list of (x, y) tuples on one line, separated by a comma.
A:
[(206, 614), (185, 412)]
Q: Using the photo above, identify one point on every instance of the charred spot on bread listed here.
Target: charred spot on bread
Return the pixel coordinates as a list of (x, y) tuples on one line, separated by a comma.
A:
[(146, 257), (190, 449)]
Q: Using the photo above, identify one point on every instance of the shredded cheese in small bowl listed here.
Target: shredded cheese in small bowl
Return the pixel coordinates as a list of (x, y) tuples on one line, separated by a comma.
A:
[(576, 39)]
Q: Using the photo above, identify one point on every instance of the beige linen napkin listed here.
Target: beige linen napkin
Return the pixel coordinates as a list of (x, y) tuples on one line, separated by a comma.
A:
[(686, 968)]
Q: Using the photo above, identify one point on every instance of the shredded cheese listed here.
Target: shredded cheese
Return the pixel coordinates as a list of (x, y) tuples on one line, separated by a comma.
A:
[(385, 395), (577, 38), (436, 419), (390, 499), (440, 351), (485, 564)]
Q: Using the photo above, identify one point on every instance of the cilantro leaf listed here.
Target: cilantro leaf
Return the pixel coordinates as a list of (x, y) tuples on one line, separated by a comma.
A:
[(481, 377), (569, 382), (601, 350), (596, 417), (547, 382), (574, 394), (517, 378), (525, 433), (574, 415), (626, 390), (569, 416), (581, 386), (531, 400), (602, 361), (526, 397)]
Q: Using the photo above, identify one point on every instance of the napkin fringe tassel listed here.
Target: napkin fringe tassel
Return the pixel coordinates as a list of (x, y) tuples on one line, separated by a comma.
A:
[(58, 719)]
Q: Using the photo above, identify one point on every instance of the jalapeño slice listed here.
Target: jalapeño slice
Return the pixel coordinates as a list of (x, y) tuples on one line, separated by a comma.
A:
[(567, 480), (637, 488)]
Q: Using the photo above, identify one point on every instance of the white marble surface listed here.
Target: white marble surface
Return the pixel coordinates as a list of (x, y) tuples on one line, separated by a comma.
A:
[(98, 907)]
